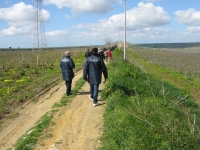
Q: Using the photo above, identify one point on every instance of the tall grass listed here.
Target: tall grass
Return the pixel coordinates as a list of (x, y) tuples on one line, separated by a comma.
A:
[(143, 112)]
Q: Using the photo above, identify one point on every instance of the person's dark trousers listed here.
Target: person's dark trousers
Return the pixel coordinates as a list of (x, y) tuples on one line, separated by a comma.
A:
[(68, 86), (94, 89)]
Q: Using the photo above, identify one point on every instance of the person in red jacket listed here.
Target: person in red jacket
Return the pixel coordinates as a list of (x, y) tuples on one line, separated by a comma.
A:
[(109, 55)]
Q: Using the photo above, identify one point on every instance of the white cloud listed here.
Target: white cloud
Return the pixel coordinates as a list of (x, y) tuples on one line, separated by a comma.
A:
[(85, 6), (58, 33), (145, 15), (188, 17), (20, 17), (153, 33), (18, 14), (135, 36), (84, 26), (143, 21), (68, 16), (13, 31), (193, 30)]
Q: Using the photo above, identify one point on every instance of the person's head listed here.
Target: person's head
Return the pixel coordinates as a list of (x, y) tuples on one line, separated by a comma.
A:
[(67, 53), (94, 51)]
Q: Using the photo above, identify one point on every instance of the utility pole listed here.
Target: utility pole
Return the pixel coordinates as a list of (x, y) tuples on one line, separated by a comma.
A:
[(124, 29), (119, 43)]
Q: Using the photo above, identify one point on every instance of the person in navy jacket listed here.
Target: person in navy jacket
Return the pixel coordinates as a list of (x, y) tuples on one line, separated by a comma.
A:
[(94, 66), (67, 65)]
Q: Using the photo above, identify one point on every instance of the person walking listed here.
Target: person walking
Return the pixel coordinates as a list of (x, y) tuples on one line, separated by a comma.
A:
[(105, 55), (94, 66), (101, 54), (67, 65), (109, 55), (87, 53)]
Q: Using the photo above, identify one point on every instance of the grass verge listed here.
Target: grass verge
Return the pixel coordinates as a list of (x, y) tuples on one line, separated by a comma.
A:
[(144, 112)]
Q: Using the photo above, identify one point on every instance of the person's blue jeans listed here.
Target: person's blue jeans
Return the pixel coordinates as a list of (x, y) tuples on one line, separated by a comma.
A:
[(94, 89), (68, 86)]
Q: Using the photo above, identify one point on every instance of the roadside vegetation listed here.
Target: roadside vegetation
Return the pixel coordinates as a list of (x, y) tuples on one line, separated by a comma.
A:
[(144, 111)]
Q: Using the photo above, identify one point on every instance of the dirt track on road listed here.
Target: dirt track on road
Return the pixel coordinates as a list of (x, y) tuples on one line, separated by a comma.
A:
[(77, 126)]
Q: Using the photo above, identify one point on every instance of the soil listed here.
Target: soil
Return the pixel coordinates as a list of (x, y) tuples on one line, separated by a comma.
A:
[(77, 126)]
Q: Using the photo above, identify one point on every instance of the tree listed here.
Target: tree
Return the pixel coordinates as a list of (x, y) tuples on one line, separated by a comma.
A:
[(108, 41)]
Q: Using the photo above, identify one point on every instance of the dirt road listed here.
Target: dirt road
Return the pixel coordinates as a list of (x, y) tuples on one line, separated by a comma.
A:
[(77, 126)]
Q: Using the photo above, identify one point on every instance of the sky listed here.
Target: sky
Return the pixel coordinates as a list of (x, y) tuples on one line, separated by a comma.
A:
[(93, 22)]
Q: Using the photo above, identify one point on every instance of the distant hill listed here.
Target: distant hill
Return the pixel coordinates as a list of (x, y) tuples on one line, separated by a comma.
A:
[(169, 45)]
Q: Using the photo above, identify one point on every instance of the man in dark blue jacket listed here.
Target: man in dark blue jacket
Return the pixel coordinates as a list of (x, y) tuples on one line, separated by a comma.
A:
[(67, 65), (94, 66)]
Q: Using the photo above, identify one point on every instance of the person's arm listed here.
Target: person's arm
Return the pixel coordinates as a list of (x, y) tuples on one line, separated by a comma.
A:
[(104, 70), (60, 65), (72, 64), (85, 71)]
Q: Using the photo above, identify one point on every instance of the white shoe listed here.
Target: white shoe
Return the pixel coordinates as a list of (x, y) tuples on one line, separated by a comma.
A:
[(90, 98), (97, 104)]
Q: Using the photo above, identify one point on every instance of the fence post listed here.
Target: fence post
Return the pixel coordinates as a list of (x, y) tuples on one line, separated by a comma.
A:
[(22, 59), (37, 61), (2, 72)]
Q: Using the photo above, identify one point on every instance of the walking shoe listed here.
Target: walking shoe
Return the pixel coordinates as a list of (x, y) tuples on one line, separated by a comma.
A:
[(69, 94), (97, 104), (90, 98)]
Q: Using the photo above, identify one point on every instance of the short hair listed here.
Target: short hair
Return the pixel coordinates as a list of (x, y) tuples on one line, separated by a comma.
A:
[(67, 53), (94, 51)]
